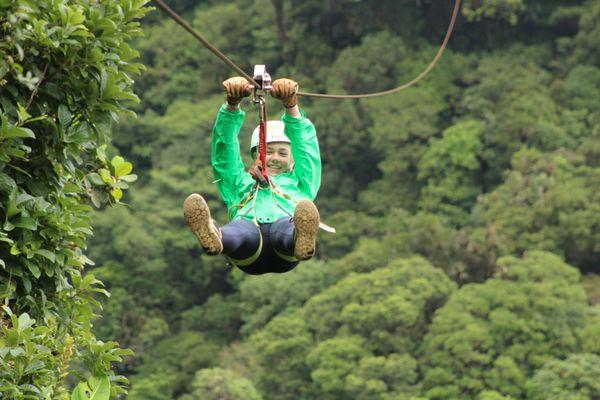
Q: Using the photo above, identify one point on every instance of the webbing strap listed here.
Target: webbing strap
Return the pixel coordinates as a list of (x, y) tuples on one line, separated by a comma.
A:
[(285, 257), (262, 139), (247, 261)]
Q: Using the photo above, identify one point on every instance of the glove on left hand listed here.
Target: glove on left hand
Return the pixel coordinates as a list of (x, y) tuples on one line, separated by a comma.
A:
[(285, 90)]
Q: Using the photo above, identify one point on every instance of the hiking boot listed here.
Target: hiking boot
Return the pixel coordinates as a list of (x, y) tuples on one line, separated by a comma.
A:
[(306, 221), (197, 217)]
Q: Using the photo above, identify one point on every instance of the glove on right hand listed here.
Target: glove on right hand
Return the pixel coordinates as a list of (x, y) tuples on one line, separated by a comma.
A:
[(237, 88)]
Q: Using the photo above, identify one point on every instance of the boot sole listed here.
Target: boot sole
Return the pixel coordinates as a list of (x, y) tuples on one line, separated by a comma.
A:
[(306, 221), (197, 217)]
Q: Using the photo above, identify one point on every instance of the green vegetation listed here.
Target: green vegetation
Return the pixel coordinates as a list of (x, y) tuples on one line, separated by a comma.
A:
[(466, 263), (65, 75)]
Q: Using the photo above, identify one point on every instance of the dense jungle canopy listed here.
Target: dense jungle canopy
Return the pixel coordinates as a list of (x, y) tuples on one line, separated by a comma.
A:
[(467, 208)]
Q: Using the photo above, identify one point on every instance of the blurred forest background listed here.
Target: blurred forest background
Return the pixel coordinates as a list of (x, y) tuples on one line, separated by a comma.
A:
[(467, 208)]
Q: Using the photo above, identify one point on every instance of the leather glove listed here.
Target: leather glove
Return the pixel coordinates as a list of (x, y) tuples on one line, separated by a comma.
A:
[(285, 90), (237, 88)]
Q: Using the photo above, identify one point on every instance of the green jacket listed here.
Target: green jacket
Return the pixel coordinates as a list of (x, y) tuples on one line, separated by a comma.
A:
[(235, 183)]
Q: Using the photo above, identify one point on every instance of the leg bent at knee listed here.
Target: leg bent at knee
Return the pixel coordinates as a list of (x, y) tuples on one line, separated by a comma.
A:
[(241, 239), (197, 216), (306, 223)]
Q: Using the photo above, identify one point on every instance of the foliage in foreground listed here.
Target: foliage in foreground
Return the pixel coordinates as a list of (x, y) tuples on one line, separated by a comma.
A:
[(64, 79)]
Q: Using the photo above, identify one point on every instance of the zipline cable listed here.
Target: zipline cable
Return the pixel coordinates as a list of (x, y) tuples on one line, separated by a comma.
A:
[(406, 85), (205, 42), (240, 71)]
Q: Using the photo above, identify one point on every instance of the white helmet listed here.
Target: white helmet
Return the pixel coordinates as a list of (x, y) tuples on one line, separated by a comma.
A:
[(275, 133)]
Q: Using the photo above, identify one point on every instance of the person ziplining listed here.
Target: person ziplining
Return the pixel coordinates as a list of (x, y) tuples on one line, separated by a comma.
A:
[(274, 222)]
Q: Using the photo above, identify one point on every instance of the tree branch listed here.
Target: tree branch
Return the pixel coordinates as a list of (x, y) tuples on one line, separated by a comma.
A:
[(37, 86)]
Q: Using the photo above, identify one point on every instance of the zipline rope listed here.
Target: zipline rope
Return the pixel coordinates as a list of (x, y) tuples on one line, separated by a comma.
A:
[(205, 42), (240, 71), (406, 85)]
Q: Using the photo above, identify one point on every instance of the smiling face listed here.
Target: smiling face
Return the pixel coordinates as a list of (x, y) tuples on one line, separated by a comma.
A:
[(279, 158)]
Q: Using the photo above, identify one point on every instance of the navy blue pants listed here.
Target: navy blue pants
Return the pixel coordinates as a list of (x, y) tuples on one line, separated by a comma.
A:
[(242, 239)]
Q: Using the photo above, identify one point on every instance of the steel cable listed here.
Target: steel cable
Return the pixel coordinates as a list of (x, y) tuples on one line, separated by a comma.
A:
[(240, 71), (205, 42)]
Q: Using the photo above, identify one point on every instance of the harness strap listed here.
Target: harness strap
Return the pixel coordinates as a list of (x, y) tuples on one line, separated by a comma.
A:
[(262, 139), (247, 261), (252, 196), (285, 257), (259, 169)]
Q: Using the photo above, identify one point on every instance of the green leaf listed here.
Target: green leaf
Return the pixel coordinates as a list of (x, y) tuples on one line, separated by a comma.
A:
[(7, 184), (123, 168), (14, 152), (47, 254), (25, 223), (34, 366), (95, 179), (121, 185), (22, 113), (34, 269), (70, 188), (105, 175), (98, 198), (93, 389), (79, 134), (12, 208), (129, 178), (17, 351), (23, 198), (116, 161), (64, 115), (6, 239), (117, 193), (17, 132), (80, 392), (25, 321), (14, 250), (26, 284), (101, 151), (102, 291)]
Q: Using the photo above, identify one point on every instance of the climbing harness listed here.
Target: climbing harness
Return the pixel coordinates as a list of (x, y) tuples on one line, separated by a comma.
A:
[(240, 71), (274, 191)]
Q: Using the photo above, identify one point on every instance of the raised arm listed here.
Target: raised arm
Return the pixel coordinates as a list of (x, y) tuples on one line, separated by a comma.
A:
[(226, 159), (302, 134)]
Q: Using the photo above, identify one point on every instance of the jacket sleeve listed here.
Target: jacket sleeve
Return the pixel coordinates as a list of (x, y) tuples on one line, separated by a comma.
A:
[(226, 159), (305, 149)]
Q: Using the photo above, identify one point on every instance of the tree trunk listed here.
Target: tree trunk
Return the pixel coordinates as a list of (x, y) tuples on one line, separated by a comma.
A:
[(278, 4)]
